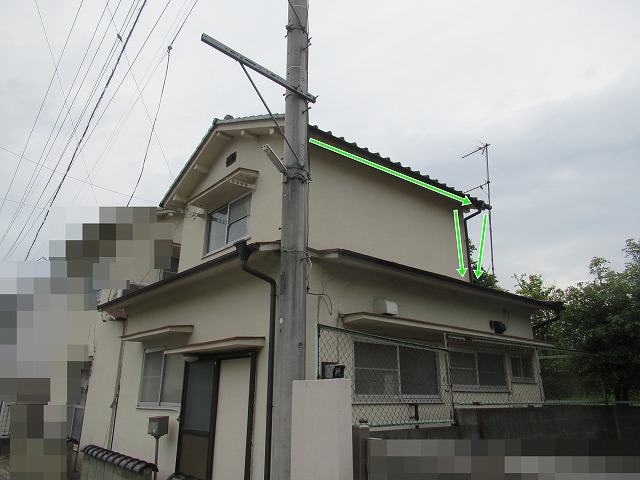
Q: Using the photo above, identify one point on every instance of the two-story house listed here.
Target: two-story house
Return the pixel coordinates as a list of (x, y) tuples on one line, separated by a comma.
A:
[(384, 300)]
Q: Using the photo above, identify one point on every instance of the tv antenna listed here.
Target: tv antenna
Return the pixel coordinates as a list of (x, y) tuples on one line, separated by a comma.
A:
[(484, 150)]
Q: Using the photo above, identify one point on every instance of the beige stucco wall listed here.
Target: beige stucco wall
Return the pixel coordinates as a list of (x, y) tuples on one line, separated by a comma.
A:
[(348, 288), (351, 207), (232, 303), (102, 336), (355, 207), (354, 289), (102, 383), (266, 204)]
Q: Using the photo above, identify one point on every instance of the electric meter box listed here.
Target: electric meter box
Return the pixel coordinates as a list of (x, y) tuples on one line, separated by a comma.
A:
[(158, 426)]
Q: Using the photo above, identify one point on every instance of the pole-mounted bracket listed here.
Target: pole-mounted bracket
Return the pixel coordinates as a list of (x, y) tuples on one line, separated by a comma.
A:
[(221, 47)]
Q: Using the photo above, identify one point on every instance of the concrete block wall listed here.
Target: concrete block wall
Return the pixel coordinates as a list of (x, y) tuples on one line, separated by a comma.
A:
[(559, 422), (551, 422)]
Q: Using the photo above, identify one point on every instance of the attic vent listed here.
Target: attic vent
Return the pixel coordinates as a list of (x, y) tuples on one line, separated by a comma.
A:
[(231, 159)]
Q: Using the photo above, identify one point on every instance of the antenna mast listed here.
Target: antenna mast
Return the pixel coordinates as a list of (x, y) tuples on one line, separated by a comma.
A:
[(484, 150)]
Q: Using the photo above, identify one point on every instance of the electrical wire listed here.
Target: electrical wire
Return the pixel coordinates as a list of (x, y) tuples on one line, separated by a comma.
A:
[(88, 123), (57, 64), (133, 101), (79, 151), (153, 126), (71, 177), (125, 116), (31, 184)]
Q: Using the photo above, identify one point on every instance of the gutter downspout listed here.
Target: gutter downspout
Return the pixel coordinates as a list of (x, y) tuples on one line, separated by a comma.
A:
[(116, 393), (546, 322), (466, 234), (244, 251)]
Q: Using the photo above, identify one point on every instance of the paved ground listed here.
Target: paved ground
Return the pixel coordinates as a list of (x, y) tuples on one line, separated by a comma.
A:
[(4, 467)]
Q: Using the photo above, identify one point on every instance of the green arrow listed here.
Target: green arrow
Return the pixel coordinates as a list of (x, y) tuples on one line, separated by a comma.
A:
[(463, 201), (456, 221), (478, 271)]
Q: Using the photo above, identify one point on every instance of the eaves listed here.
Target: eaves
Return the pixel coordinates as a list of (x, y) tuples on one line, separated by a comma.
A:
[(377, 158), (443, 280), (165, 283)]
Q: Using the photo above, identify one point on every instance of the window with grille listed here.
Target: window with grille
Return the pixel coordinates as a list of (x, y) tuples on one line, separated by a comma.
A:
[(477, 370), (394, 373), (521, 368)]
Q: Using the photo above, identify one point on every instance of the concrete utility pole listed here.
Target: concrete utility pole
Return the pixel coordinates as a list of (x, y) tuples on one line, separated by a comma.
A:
[(291, 341)]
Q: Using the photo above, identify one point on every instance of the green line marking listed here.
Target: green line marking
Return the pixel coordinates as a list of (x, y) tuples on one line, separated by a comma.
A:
[(463, 201), (456, 221), (478, 271)]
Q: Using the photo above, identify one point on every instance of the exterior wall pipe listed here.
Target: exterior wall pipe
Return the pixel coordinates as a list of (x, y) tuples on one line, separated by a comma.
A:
[(116, 393), (466, 236), (244, 251), (546, 322)]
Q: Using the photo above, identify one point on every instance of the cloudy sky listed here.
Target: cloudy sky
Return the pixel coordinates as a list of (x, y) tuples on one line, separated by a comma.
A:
[(552, 86)]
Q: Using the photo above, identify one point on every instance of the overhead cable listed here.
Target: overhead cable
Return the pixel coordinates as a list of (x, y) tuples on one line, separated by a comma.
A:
[(88, 123)]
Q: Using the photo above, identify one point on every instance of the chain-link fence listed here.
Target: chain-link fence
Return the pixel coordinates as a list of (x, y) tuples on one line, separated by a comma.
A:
[(567, 379), (401, 383), (486, 372), (393, 382)]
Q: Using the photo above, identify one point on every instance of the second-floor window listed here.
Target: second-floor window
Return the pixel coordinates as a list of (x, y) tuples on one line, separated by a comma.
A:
[(229, 223)]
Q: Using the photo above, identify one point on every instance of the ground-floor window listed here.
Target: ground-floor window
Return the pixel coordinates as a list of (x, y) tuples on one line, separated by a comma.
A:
[(161, 379), (521, 368), (477, 370), (394, 372)]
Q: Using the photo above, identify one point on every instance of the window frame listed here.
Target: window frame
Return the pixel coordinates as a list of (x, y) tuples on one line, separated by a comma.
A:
[(522, 379), (159, 403), (399, 397), (478, 387), (207, 237)]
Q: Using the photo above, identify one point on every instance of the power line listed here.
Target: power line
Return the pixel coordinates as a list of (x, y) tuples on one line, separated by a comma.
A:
[(88, 123), (72, 178), (134, 99), (36, 172), (32, 181), (185, 14), (43, 100), (153, 126), (125, 116)]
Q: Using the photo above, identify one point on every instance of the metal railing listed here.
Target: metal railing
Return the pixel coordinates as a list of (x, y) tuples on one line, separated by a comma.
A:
[(401, 383)]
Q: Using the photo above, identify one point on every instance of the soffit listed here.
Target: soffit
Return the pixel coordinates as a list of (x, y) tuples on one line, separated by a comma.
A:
[(168, 332), (217, 138), (369, 263), (219, 345), (240, 181), (414, 328)]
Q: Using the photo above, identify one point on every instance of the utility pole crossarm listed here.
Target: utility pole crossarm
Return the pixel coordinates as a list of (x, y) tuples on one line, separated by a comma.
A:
[(256, 67)]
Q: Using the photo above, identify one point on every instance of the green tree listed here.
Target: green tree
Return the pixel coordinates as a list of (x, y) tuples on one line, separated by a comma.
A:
[(486, 279), (601, 317), (534, 286)]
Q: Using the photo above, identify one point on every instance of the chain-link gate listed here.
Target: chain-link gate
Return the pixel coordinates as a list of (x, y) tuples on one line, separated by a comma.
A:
[(393, 382)]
